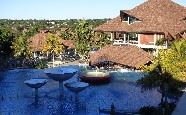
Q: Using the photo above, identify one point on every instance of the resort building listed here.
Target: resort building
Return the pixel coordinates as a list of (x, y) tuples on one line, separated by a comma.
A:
[(146, 24), (38, 40)]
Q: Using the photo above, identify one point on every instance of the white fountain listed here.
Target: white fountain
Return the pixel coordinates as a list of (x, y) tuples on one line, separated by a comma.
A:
[(77, 87), (95, 77), (36, 83), (60, 75)]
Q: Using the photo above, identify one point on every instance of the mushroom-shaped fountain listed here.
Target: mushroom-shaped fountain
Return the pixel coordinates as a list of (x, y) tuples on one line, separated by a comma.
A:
[(36, 83), (60, 75), (77, 87), (95, 77)]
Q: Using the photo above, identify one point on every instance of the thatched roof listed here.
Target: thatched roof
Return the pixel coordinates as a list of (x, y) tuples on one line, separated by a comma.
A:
[(156, 16), (127, 55), (38, 40)]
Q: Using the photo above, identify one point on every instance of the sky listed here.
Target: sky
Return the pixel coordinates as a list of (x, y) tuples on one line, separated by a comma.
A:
[(66, 9)]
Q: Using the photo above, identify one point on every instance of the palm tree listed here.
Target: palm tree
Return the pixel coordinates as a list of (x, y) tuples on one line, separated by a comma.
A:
[(53, 45)]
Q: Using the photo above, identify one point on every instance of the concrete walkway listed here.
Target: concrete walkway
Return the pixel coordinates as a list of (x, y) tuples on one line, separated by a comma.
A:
[(71, 63), (181, 106), (62, 63)]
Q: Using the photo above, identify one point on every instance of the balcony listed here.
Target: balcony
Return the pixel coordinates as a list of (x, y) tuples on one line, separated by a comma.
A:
[(134, 42), (119, 42)]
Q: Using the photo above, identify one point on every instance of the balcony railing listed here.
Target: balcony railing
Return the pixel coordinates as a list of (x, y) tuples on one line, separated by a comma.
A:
[(119, 42), (133, 42)]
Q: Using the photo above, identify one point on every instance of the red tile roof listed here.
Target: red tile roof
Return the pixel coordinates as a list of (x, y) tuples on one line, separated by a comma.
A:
[(37, 41), (127, 55), (155, 16), (69, 43)]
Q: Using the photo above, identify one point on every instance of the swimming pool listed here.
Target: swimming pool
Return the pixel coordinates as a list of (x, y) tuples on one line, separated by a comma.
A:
[(17, 99)]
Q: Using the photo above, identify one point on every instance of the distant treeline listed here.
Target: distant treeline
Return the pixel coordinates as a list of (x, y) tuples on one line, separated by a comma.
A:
[(17, 26), (10, 30)]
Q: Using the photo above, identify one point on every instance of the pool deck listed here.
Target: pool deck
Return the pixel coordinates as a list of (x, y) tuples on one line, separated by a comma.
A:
[(60, 63), (181, 105)]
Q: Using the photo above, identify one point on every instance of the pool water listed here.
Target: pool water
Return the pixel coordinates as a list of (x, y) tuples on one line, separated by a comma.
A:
[(130, 76), (18, 99)]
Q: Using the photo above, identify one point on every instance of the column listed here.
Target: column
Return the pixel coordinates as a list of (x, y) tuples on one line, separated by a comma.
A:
[(124, 35), (166, 44), (111, 36), (35, 55), (154, 39), (36, 95), (139, 39)]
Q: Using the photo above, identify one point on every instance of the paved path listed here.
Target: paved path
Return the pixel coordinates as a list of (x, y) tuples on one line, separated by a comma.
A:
[(62, 63), (181, 106), (71, 63)]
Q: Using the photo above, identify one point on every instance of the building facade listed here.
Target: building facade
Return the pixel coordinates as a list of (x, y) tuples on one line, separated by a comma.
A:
[(148, 23)]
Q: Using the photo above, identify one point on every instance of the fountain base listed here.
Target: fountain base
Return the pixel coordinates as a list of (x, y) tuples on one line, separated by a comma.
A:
[(95, 77)]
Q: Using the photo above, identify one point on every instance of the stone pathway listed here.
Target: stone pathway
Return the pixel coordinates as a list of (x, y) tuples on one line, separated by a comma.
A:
[(181, 106)]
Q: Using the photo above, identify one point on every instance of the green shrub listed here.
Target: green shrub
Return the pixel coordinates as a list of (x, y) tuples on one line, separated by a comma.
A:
[(41, 64)]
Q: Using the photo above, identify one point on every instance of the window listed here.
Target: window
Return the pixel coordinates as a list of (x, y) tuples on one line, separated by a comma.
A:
[(129, 19), (132, 20), (125, 18), (132, 38)]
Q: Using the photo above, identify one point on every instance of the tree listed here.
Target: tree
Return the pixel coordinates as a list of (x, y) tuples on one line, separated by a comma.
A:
[(6, 39), (53, 45), (179, 47), (31, 31), (21, 47), (169, 63), (101, 39), (173, 60), (83, 37), (67, 35)]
